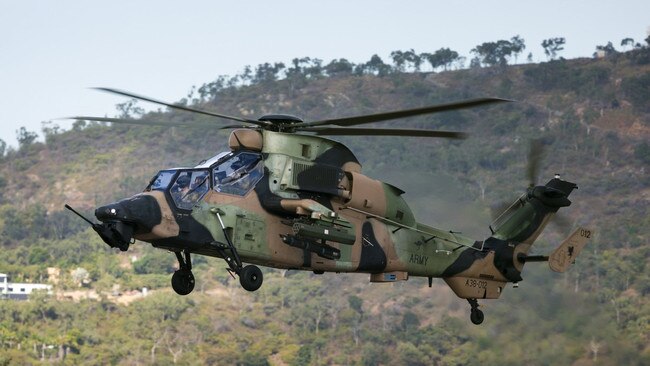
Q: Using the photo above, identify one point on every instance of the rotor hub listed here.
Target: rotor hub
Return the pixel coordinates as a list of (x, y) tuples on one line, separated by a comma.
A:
[(280, 122)]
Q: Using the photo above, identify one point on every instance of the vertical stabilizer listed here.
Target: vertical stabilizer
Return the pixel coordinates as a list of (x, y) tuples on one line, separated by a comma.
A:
[(566, 253)]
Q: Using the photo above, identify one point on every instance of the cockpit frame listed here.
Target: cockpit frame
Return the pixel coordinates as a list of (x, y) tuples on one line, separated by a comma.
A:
[(234, 173)]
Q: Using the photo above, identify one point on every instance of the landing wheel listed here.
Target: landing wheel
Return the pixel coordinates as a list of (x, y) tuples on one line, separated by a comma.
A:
[(476, 316), (183, 281), (250, 278)]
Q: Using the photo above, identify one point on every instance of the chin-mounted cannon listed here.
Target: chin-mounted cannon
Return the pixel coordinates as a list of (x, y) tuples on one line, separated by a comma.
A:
[(117, 234)]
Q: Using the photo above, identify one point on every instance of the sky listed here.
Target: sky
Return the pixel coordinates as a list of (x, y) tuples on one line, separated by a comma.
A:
[(52, 52)]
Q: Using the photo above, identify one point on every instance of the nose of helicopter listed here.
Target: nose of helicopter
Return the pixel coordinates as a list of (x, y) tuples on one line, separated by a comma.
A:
[(141, 211), (123, 219)]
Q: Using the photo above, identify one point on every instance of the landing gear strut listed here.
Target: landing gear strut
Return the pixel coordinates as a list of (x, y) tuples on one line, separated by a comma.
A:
[(475, 315), (183, 279), (250, 276)]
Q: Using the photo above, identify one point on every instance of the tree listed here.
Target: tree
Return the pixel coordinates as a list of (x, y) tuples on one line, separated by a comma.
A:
[(627, 42), (475, 62), (410, 321), (154, 262), (267, 72), (22, 224), (78, 125), (129, 109), (446, 57), (25, 138), (50, 130), (375, 66), (518, 46), (209, 90), (606, 50), (494, 53), (247, 75), (414, 59), (159, 315), (299, 65), (552, 46), (356, 303), (443, 57), (340, 67), (642, 152), (314, 69), (399, 60), (38, 255)]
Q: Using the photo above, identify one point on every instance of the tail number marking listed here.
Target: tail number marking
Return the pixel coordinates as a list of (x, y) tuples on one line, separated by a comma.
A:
[(585, 233), (475, 283)]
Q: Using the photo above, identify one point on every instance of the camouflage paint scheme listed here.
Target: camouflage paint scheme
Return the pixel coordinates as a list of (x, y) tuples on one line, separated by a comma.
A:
[(311, 184)]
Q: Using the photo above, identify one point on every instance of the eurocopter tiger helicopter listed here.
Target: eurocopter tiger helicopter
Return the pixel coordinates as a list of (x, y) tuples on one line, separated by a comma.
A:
[(284, 199)]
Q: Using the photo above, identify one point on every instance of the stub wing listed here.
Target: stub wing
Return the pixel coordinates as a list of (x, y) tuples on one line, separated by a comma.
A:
[(567, 252)]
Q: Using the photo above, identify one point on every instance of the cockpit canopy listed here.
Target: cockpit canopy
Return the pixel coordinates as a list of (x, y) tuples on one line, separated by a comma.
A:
[(231, 173)]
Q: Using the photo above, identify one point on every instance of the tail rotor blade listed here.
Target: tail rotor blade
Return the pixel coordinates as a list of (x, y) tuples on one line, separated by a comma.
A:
[(535, 155), (563, 223)]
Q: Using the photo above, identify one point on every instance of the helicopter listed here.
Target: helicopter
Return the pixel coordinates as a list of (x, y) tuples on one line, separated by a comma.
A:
[(285, 197)]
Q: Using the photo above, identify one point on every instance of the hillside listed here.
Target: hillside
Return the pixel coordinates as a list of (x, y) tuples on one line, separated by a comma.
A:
[(591, 114)]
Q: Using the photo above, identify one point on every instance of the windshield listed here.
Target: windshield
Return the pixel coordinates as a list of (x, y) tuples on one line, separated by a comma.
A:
[(189, 187), (239, 173), (161, 180)]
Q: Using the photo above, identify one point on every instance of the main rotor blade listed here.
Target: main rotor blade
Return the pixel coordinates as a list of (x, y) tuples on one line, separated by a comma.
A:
[(148, 123), (334, 131), (351, 121), (180, 107)]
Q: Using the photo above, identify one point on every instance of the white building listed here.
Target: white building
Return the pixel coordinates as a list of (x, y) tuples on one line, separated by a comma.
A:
[(19, 291)]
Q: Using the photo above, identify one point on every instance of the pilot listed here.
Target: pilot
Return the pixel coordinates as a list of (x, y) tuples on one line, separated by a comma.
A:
[(239, 181), (181, 187), (199, 180), (240, 167)]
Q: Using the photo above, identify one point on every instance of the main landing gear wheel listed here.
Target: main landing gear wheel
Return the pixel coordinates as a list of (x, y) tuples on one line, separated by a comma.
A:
[(183, 281), (475, 315), (250, 278)]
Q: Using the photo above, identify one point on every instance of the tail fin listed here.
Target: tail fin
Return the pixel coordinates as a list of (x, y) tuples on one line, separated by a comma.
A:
[(565, 254)]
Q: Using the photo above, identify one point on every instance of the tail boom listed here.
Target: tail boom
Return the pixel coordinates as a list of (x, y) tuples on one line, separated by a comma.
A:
[(483, 274)]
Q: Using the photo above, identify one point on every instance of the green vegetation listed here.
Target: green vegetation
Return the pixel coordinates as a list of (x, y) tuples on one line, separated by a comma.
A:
[(592, 116)]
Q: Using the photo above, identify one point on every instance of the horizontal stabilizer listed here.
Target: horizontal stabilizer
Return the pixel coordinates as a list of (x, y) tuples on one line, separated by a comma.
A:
[(567, 252)]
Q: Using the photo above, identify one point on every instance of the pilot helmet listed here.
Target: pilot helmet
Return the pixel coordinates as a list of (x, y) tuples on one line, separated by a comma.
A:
[(183, 181)]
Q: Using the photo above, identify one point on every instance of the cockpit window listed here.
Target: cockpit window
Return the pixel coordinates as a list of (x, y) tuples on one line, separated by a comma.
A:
[(161, 181), (238, 174), (189, 187)]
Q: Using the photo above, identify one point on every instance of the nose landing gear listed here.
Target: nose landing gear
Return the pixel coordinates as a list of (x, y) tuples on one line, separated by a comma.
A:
[(183, 279), (183, 282)]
